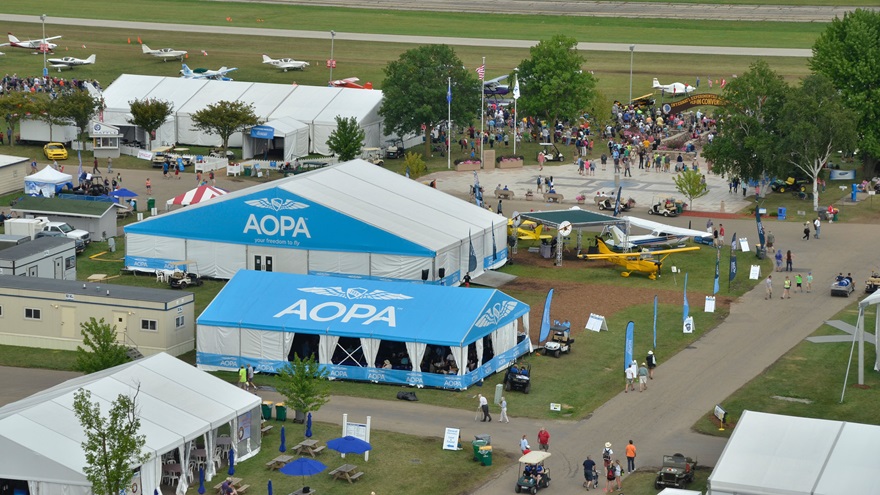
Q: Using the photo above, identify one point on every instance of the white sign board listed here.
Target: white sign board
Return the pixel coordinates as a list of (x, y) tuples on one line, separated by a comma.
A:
[(688, 326), (744, 244), (357, 430), (450, 439), (755, 272), (710, 304), (555, 407), (597, 323), (145, 155)]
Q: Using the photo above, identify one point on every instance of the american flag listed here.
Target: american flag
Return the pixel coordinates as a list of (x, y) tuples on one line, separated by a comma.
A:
[(481, 71)]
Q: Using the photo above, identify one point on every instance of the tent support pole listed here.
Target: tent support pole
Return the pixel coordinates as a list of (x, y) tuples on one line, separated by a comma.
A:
[(852, 348)]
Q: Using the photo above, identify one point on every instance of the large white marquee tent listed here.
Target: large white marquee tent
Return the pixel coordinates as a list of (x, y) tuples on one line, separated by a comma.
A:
[(41, 439), (351, 219)]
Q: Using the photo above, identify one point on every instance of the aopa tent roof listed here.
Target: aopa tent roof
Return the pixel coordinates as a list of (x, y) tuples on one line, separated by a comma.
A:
[(770, 454), (346, 307), (353, 206), (40, 437)]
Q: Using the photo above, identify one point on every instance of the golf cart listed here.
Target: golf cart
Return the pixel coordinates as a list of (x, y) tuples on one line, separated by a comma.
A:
[(181, 276), (551, 153), (560, 341), (842, 286), (533, 474), (374, 156), (665, 207), (394, 149), (608, 204), (518, 377), (873, 283), (677, 470), (790, 184)]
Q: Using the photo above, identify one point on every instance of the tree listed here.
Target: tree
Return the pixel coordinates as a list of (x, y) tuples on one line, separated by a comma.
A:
[(225, 118), (78, 107), (14, 106), (414, 165), (303, 382), (691, 184), (102, 351), (347, 139), (847, 53), (415, 89), (150, 114), (553, 83), (746, 143), (113, 445), (814, 124)]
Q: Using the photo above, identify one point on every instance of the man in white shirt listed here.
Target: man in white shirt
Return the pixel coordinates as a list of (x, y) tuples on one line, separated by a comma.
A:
[(484, 406)]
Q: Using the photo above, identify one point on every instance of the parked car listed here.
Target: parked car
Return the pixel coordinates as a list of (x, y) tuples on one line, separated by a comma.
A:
[(677, 471), (79, 245), (55, 151), (67, 230)]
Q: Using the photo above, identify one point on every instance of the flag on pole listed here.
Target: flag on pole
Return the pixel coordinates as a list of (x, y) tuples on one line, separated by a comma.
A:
[(686, 307), (472, 255), (628, 345), (545, 319), (732, 259), (449, 93), (516, 89), (655, 322), (481, 71), (715, 288)]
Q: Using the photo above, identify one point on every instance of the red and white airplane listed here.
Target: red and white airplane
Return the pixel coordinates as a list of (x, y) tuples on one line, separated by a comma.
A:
[(41, 45), (350, 82)]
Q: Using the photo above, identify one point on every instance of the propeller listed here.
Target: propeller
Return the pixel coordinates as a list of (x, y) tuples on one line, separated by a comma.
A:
[(517, 219), (565, 228)]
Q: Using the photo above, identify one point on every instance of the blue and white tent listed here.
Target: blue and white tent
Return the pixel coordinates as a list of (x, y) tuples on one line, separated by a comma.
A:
[(351, 219), (353, 326)]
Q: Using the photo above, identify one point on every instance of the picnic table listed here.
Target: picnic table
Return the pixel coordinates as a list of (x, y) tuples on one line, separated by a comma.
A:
[(279, 462), (265, 429), (346, 472), (309, 447), (301, 492), (236, 483)]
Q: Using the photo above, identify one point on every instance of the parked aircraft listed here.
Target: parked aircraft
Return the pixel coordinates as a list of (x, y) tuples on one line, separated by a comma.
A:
[(164, 53), (40, 45), (285, 63), (530, 231), (675, 88), (661, 235), (217, 75), (493, 87), (70, 62), (350, 82), (641, 262)]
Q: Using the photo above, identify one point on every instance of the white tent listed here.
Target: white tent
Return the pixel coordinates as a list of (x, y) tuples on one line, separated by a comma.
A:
[(40, 437), (770, 454), (361, 104), (47, 182), (353, 219), (212, 92), (291, 135)]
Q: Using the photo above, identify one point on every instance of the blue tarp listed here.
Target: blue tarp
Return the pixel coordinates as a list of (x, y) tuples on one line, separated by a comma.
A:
[(396, 311)]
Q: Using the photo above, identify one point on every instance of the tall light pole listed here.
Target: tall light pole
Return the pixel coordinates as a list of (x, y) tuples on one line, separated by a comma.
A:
[(332, 62), (631, 51), (44, 45)]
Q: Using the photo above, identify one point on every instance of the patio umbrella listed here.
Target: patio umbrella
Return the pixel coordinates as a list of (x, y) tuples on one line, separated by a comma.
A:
[(283, 446), (201, 481), (270, 487), (309, 426), (303, 467), (349, 445), (231, 462), (123, 193)]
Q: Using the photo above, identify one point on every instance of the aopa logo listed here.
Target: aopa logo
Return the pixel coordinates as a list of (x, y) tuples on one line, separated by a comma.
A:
[(229, 362), (281, 225), (334, 310), (495, 314)]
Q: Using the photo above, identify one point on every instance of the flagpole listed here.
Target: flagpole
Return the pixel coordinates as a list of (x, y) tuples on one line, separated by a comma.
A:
[(449, 123), (482, 112), (515, 119)]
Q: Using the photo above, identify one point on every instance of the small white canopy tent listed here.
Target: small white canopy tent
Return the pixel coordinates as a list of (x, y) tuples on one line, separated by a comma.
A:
[(40, 437), (859, 336), (47, 182), (290, 133)]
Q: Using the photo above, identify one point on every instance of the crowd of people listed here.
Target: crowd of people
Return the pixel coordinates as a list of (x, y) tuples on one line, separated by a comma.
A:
[(39, 84)]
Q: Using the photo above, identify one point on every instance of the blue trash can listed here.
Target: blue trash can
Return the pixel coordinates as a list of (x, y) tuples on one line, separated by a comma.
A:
[(855, 192), (780, 213)]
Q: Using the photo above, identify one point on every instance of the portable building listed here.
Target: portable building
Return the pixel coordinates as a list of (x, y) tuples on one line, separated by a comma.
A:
[(45, 257), (12, 170), (98, 218)]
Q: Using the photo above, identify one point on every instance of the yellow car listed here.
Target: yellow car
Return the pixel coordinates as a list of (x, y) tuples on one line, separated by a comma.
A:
[(55, 151)]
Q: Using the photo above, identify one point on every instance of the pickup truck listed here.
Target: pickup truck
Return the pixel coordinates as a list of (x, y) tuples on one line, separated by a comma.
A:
[(68, 231)]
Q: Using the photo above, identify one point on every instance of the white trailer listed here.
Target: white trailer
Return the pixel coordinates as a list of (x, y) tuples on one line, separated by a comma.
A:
[(38, 131), (26, 226), (44, 257)]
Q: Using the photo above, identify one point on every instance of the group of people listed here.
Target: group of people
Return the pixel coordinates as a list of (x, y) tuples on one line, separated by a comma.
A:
[(613, 470), (40, 84), (799, 282)]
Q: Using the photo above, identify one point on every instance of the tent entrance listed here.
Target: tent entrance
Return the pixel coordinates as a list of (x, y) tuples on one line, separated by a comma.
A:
[(304, 346), (349, 352)]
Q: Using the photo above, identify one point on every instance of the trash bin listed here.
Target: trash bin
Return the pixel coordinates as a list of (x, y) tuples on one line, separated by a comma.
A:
[(546, 251), (679, 207), (835, 217), (247, 172), (267, 409), (477, 444), (134, 205), (485, 455), (280, 412), (780, 213), (151, 203)]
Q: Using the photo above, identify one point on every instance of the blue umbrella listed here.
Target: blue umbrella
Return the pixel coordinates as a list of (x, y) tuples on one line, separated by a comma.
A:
[(349, 445), (155, 491), (270, 487), (123, 193), (201, 481), (309, 426), (303, 467), (231, 462), (283, 446)]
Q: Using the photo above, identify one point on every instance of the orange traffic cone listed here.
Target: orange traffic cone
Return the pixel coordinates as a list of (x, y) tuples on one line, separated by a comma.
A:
[(129, 41)]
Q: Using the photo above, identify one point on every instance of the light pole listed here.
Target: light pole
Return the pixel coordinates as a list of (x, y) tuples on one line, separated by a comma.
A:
[(44, 45), (631, 51), (332, 62)]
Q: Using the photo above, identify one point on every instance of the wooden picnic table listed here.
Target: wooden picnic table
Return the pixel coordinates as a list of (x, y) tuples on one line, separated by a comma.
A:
[(309, 447), (346, 472), (279, 462), (301, 492), (236, 482)]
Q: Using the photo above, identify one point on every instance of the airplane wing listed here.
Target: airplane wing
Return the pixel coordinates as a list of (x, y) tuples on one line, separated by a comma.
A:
[(50, 38), (660, 227), (638, 254)]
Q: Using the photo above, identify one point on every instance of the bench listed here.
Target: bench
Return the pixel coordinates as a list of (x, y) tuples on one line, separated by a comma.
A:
[(270, 464), (266, 429), (353, 477), (553, 197), (503, 193), (319, 449), (242, 488)]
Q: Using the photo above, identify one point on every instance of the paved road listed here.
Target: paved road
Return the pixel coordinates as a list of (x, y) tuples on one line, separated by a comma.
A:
[(412, 39), (642, 10)]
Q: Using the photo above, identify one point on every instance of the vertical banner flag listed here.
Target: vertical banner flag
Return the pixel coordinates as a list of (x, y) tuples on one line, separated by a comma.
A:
[(481, 71), (516, 88), (655, 322), (717, 269), (760, 227), (732, 260), (545, 320), (617, 203), (685, 295), (628, 346), (494, 247), (472, 255), (449, 92)]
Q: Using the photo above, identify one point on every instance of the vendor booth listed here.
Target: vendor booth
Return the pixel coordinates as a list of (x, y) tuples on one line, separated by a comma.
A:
[(47, 182), (384, 332), (105, 140)]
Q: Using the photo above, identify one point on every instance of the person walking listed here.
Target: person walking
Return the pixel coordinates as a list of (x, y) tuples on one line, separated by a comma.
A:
[(499, 208), (540, 160), (798, 282), (778, 260), (212, 178), (786, 288), (109, 165), (504, 418), (242, 378), (788, 260), (544, 439), (817, 224), (651, 359), (630, 376), (149, 186), (591, 480), (524, 445), (606, 456), (609, 479), (769, 284), (643, 378), (809, 281), (95, 169), (630, 457), (618, 473), (250, 377), (771, 241), (484, 406), (540, 184), (806, 236)]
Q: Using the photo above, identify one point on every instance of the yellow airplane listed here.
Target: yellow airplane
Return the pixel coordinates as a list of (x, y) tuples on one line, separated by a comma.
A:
[(641, 262), (528, 231)]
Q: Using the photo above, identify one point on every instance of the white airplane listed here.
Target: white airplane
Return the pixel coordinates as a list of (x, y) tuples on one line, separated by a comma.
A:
[(493, 87), (39, 45), (285, 63), (217, 75), (661, 235), (70, 62), (164, 53), (676, 88)]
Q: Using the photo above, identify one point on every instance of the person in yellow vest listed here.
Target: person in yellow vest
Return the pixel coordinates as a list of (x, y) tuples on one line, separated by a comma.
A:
[(786, 288), (242, 378)]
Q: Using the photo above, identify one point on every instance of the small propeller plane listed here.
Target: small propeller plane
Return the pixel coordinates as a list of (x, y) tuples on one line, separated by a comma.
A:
[(41, 45), (529, 231), (164, 53), (642, 262), (675, 88), (70, 62), (350, 82), (216, 75), (493, 87), (285, 63)]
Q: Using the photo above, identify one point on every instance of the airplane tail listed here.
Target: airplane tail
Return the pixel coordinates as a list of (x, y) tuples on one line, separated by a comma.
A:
[(186, 70), (538, 229), (266, 59), (603, 248), (146, 49), (91, 59), (618, 236), (13, 39), (656, 83)]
